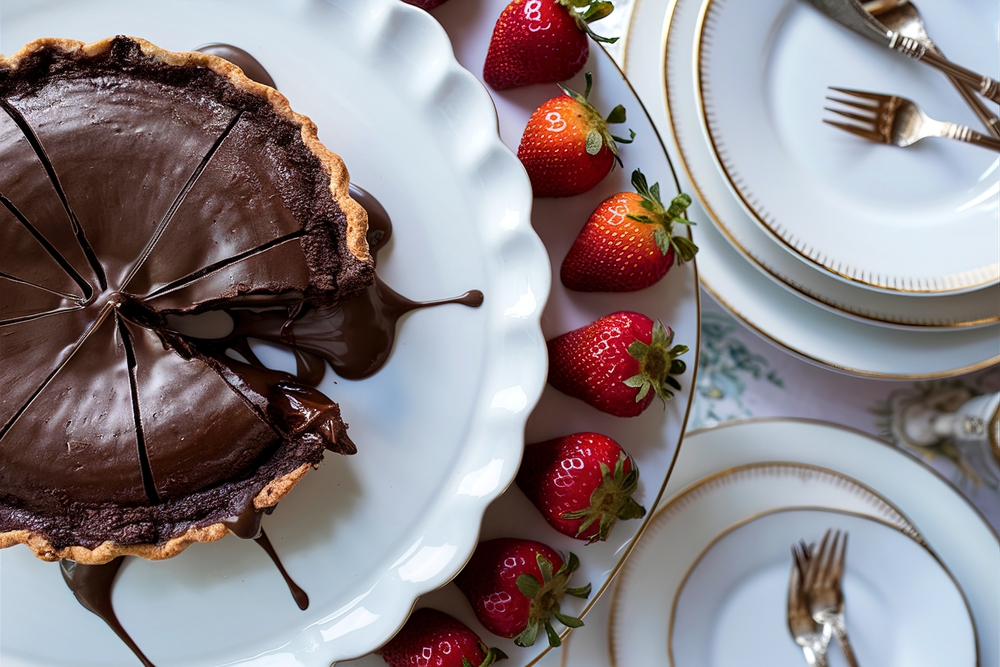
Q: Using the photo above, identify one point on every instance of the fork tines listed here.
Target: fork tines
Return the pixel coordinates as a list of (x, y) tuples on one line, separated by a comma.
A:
[(872, 123)]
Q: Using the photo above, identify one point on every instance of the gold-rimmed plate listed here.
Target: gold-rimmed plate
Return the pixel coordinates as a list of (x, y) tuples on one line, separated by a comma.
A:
[(949, 524), (915, 221), (901, 310), (902, 604), (660, 64), (685, 526)]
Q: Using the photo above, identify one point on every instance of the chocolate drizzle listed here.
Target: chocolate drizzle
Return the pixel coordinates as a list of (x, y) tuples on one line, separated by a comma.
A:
[(247, 526), (299, 595), (91, 586), (356, 336)]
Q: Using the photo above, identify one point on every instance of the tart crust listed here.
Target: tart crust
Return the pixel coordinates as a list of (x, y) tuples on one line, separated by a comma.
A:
[(43, 549), (357, 227)]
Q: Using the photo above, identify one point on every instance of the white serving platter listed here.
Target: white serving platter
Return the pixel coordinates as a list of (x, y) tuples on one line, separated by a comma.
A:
[(652, 438), (439, 429)]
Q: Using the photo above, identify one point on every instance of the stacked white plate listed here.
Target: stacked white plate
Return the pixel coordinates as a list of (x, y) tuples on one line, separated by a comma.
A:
[(707, 584), (868, 258)]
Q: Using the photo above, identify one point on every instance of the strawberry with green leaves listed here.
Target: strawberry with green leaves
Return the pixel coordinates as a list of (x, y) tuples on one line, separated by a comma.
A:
[(515, 587), (629, 243), (617, 363), (542, 41), (581, 483), (433, 638), (567, 147)]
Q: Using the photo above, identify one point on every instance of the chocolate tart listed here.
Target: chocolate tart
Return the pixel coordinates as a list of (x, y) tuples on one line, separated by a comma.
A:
[(141, 185)]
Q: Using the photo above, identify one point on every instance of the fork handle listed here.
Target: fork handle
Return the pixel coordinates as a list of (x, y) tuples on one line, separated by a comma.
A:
[(840, 632), (963, 133), (991, 122), (984, 85)]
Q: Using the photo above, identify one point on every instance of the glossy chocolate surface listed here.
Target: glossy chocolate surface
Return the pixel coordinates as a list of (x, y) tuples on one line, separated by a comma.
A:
[(132, 189)]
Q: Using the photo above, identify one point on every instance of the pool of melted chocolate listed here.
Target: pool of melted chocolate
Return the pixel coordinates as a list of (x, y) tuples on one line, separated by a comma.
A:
[(355, 337)]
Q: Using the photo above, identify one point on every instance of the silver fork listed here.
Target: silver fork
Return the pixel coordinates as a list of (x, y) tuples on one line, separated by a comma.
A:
[(811, 636), (903, 17), (889, 119), (822, 588)]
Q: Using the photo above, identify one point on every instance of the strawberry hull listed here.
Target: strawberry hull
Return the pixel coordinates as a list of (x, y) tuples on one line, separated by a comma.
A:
[(515, 585)]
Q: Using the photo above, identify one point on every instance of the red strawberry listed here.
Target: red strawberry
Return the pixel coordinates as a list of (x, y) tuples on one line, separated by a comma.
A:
[(434, 639), (566, 147), (542, 41), (515, 587), (570, 480), (617, 363), (629, 242)]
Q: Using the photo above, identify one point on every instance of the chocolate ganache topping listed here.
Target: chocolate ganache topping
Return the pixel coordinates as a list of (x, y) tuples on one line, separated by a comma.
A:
[(138, 185), (352, 328)]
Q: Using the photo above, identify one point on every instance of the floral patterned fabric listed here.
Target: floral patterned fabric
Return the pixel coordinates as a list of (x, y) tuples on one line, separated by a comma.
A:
[(740, 375)]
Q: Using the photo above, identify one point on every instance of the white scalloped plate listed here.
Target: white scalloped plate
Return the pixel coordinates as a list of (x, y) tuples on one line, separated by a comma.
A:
[(439, 428), (653, 438), (903, 606)]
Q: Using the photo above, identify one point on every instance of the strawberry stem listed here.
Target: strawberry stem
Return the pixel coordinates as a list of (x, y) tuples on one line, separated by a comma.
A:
[(658, 363), (585, 12), (664, 218), (599, 136), (545, 596), (610, 501)]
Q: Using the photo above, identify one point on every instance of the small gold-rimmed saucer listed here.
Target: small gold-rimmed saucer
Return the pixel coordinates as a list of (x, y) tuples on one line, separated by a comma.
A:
[(691, 518), (732, 599)]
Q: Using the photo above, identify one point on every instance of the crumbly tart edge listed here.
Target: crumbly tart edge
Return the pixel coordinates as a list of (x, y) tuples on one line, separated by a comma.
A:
[(42, 548), (357, 229)]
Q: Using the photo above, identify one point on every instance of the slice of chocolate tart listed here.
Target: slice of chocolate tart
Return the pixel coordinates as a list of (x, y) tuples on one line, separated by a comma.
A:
[(137, 185)]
